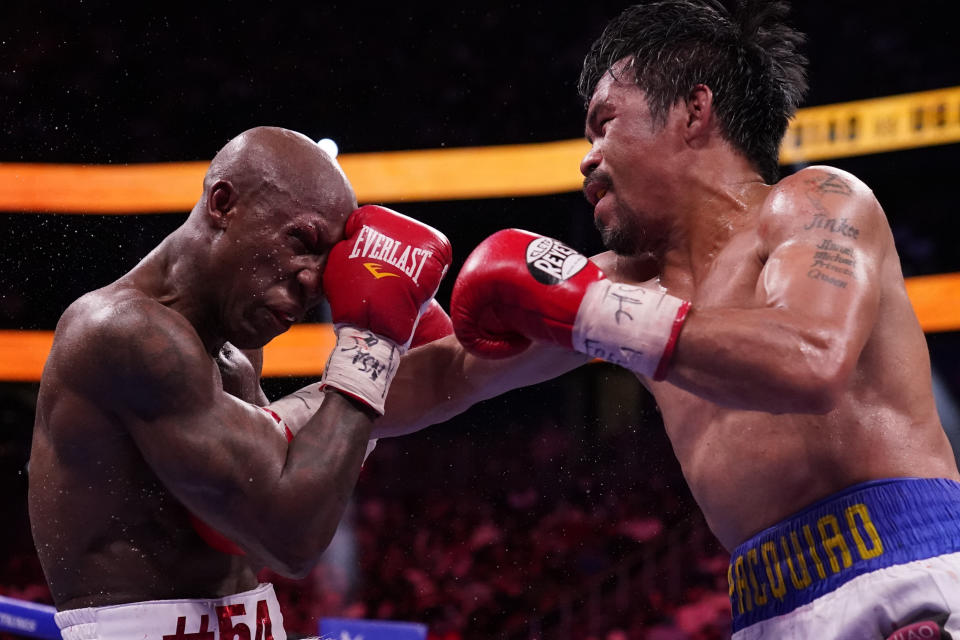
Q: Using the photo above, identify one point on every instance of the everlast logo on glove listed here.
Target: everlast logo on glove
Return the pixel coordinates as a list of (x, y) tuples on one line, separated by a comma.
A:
[(552, 262), (377, 280), (373, 245)]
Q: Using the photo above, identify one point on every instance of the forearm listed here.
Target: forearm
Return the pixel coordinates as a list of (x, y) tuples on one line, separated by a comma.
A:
[(441, 380), (760, 359), (314, 484)]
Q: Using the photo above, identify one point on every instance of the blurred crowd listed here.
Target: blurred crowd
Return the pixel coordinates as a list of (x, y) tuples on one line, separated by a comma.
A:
[(563, 537)]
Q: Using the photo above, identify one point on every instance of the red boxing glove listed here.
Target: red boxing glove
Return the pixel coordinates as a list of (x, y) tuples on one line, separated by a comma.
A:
[(518, 286), (377, 280), (434, 324)]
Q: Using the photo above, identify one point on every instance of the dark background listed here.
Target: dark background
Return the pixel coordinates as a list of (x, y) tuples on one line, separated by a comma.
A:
[(94, 82)]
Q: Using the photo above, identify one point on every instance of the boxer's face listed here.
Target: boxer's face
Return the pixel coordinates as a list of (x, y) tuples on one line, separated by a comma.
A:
[(625, 167), (278, 253)]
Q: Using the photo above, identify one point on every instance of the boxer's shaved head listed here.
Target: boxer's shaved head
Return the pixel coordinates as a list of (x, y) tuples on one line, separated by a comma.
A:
[(267, 163)]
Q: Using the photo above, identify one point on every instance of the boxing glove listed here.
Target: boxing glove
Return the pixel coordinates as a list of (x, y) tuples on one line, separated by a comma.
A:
[(434, 324), (518, 286), (377, 280)]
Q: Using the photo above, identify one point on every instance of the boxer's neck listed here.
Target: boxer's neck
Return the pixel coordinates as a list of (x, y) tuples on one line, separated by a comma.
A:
[(716, 212), (177, 275)]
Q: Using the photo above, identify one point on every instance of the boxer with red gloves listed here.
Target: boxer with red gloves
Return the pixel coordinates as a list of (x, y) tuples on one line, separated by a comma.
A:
[(150, 414), (395, 261), (292, 411), (517, 286), (796, 393)]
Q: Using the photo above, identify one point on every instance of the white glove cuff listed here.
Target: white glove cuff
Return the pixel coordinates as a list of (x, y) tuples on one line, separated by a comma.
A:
[(633, 326), (362, 365)]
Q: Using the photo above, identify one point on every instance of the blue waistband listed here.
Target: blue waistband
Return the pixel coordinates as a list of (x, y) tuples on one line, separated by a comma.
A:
[(866, 527)]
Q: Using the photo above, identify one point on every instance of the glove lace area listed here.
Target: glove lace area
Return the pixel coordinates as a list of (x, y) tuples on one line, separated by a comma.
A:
[(633, 326), (362, 365)]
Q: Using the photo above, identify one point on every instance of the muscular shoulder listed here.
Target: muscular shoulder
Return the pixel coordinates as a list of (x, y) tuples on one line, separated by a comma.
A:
[(820, 199), (122, 343)]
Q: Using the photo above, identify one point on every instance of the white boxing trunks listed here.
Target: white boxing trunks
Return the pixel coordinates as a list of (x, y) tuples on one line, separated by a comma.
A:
[(878, 561), (252, 615)]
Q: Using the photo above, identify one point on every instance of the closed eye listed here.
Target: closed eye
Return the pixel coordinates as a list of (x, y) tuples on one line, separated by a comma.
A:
[(600, 128), (301, 239)]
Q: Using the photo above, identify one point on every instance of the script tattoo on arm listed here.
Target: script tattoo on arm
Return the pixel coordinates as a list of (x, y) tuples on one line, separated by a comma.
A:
[(832, 263)]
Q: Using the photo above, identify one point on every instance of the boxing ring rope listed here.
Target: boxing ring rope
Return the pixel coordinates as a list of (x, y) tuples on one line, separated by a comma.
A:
[(27, 619), (817, 133)]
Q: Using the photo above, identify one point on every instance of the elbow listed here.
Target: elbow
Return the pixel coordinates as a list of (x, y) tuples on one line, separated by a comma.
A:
[(293, 563), (295, 557), (820, 386), (291, 569)]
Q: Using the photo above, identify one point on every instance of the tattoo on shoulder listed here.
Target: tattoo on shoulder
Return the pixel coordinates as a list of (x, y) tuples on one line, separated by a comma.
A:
[(822, 218), (832, 183), (832, 263)]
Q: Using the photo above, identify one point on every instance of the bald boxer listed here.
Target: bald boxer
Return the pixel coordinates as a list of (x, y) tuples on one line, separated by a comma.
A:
[(768, 319), (151, 438)]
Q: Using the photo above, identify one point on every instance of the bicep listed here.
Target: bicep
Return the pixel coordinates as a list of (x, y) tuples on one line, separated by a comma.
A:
[(197, 439), (795, 344), (824, 263)]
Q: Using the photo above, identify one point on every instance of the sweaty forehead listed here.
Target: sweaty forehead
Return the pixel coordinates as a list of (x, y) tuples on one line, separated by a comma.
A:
[(323, 190), (327, 208)]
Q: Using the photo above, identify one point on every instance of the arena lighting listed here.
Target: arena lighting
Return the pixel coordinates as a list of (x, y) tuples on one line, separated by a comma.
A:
[(329, 147), (303, 350), (817, 133), (847, 129)]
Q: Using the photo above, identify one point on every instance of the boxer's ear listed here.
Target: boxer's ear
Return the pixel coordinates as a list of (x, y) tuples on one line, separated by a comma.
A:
[(699, 113), (221, 203)]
